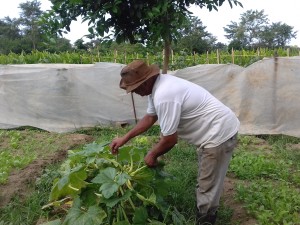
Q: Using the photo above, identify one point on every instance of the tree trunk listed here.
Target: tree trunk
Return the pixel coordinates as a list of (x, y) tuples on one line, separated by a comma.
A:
[(166, 56)]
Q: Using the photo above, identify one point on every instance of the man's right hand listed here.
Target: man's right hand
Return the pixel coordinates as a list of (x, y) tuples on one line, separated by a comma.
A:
[(116, 144)]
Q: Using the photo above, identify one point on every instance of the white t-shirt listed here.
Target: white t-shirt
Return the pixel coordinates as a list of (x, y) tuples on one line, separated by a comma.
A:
[(192, 111)]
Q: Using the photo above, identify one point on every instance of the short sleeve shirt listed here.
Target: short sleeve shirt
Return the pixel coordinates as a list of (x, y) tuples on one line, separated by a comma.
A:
[(191, 111)]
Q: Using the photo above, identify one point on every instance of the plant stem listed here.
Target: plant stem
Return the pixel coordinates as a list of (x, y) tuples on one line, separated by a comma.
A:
[(133, 173), (130, 200)]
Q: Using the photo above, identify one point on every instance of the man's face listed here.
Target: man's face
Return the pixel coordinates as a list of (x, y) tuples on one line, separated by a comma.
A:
[(143, 89)]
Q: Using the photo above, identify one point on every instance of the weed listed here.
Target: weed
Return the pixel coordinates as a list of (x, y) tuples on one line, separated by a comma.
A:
[(271, 202)]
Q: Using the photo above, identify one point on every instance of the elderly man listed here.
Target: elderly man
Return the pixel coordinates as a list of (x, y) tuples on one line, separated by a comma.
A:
[(186, 110)]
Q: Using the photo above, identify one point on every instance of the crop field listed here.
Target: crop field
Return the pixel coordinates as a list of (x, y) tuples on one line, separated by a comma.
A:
[(177, 60), (71, 178)]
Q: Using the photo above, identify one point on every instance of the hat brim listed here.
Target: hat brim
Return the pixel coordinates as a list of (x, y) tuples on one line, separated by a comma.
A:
[(154, 71)]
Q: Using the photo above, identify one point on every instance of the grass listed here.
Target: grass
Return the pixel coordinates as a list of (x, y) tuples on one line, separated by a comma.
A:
[(29, 211), (269, 185), (266, 167), (20, 147)]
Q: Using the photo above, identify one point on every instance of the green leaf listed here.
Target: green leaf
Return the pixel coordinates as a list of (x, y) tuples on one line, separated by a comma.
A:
[(94, 215), (88, 195), (137, 154), (92, 149), (150, 15), (140, 216), (156, 10), (108, 189), (70, 184), (178, 218), (107, 178), (111, 202), (122, 178), (144, 175)]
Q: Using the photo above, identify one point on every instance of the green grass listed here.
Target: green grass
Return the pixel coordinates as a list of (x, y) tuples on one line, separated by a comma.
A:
[(271, 202), (20, 147), (29, 211), (269, 185), (266, 168)]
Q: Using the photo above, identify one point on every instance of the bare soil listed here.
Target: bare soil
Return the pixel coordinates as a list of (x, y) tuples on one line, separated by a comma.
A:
[(239, 213), (19, 181)]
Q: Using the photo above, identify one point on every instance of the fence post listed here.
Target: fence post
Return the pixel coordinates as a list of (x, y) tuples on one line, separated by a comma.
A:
[(99, 59), (218, 59), (125, 56), (172, 56), (207, 60), (232, 55), (147, 58), (288, 52), (133, 106), (115, 55)]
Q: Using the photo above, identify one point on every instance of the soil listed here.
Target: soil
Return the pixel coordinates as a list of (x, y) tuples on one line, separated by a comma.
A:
[(239, 213), (19, 181)]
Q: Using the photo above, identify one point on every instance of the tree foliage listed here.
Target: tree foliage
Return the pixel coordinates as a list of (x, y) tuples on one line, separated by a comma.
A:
[(253, 30), (26, 33), (29, 16), (277, 35), (149, 22), (195, 38), (9, 35)]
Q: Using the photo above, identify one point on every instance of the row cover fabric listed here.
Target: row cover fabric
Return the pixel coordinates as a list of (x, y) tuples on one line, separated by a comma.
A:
[(65, 97)]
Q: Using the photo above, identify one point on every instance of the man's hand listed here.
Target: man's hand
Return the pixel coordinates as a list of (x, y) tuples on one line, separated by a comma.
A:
[(116, 144), (151, 159)]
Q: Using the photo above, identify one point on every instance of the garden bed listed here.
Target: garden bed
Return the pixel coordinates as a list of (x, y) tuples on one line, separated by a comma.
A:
[(21, 181)]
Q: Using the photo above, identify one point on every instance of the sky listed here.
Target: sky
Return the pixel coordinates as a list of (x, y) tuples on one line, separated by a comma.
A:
[(286, 11)]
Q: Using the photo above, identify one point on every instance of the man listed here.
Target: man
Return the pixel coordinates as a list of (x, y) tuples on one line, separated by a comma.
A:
[(184, 109)]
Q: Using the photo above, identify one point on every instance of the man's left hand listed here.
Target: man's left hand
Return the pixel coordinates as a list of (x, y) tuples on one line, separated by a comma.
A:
[(151, 160)]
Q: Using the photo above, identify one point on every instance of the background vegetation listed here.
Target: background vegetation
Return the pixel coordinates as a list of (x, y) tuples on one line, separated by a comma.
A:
[(31, 32), (178, 60)]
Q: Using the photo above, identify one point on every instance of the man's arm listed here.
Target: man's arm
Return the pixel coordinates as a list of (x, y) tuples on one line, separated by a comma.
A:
[(143, 125), (165, 144)]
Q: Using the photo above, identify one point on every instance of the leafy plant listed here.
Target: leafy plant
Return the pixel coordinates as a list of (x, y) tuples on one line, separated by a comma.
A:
[(96, 187), (271, 202), (246, 165), (8, 161), (179, 60)]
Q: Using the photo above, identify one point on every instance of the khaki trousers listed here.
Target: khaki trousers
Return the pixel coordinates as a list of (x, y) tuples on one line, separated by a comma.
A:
[(213, 166)]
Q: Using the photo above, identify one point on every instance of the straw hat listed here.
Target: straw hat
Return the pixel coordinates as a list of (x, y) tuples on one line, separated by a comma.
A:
[(136, 73)]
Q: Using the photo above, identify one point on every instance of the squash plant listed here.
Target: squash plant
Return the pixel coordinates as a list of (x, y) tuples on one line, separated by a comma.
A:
[(97, 187)]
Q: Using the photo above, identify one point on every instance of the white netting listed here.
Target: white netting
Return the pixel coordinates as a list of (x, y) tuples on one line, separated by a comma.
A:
[(64, 97)]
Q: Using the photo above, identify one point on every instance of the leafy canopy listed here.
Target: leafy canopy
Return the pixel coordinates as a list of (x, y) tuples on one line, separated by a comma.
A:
[(132, 20), (253, 30)]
